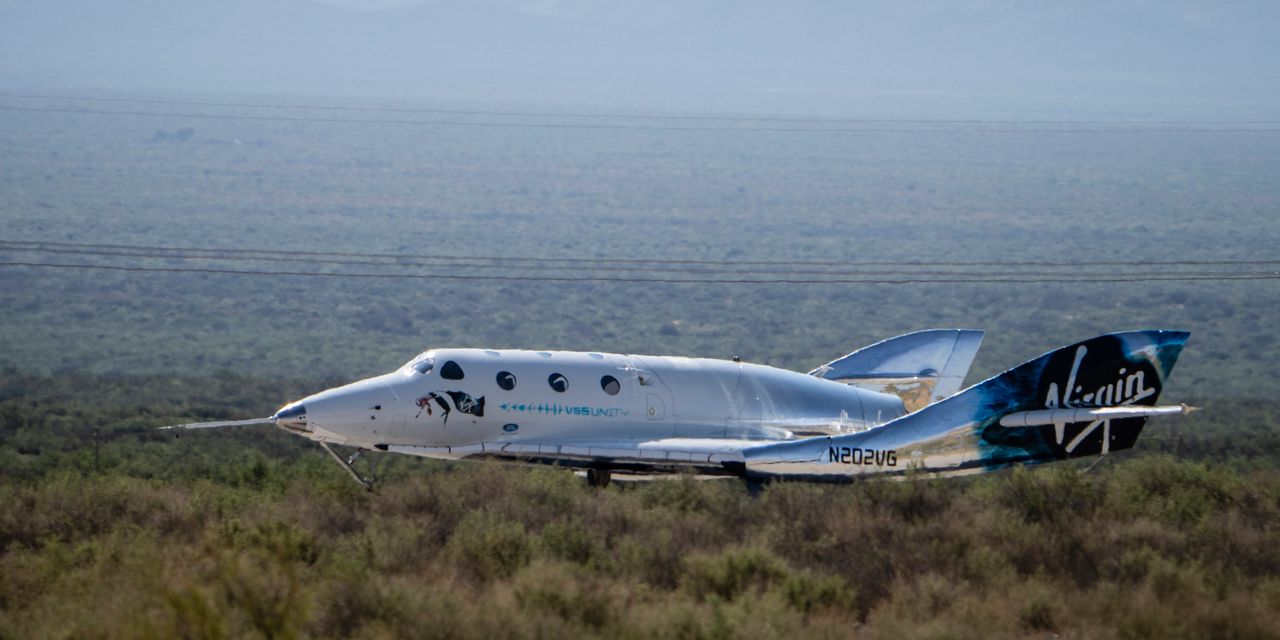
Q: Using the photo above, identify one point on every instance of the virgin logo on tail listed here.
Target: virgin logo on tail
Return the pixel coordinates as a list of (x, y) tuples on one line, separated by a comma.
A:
[(1128, 388)]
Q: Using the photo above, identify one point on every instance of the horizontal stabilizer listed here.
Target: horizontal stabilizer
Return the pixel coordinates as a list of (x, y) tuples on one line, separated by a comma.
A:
[(1070, 416)]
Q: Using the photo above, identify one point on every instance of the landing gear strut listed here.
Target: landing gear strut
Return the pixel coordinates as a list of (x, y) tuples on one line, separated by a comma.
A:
[(598, 477), (1095, 463), (367, 483)]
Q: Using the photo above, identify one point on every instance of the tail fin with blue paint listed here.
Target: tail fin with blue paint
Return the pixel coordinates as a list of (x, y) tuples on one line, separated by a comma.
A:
[(1085, 399)]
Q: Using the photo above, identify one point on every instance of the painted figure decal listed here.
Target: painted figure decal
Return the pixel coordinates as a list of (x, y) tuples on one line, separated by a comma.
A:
[(462, 401)]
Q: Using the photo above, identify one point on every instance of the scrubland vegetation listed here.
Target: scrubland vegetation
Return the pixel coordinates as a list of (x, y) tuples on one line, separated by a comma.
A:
[(109, 528), (1154, 547), (124, 531)]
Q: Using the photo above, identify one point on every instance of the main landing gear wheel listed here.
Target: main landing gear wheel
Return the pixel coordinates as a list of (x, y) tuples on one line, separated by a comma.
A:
[(598, 477)]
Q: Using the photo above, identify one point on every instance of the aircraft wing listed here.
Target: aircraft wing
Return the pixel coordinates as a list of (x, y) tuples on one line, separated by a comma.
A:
[(713, 456)]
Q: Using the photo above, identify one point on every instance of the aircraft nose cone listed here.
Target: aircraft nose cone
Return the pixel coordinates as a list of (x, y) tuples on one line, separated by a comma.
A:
[(292, 416)]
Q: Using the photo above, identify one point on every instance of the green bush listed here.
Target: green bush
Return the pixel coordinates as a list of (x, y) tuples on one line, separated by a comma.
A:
[(569, 540), (809, 593), (732, 572), (490, 546), (572, 595)]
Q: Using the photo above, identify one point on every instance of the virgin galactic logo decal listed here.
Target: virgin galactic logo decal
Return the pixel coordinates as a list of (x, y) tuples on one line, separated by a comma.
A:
[(463, 402), (1071, 382)]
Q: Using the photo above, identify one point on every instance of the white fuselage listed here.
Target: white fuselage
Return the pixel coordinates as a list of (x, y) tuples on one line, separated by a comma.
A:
[(458, 398)]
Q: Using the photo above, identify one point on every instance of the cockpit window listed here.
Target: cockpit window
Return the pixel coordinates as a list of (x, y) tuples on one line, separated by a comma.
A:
[(451, 371), (424, 366)]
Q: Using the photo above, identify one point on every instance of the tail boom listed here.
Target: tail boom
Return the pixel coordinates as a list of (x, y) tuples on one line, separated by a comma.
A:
[(1085, 399)]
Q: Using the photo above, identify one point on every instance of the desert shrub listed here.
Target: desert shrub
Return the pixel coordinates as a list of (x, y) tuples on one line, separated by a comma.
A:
[(71, 507), (657, 558), (193, 615), (569, 593), (1038, 615), (569, 540), (265, 596), (1172, 491), (800, 513), (731, 572), (395, 544), (1052, 494), (912, 499), (808, 592), (282, 542), (351, 599), (1135, 564), (1039, 607), (548, 490), (985, 565), (489, 546), (685, 494)]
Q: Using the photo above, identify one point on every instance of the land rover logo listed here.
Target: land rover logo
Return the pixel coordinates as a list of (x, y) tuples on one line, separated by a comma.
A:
[(510, 428)]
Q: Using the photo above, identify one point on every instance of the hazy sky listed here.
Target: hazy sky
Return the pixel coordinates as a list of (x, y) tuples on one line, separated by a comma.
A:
[(1127, 57)]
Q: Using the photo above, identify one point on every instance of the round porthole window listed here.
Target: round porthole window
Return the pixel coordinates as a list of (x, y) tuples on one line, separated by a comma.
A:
[(558, 382), (610, 385), (506, 380)]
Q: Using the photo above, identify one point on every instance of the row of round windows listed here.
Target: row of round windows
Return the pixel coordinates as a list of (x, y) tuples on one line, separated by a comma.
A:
[(450, 370)]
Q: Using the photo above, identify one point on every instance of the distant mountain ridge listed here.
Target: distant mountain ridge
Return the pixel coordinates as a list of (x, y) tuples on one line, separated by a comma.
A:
[(752, 56)]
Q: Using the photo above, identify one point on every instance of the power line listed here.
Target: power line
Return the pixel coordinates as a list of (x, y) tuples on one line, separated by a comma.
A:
[(518, 261), (622, 127), (621, 115), (914, 270), (996, 278)]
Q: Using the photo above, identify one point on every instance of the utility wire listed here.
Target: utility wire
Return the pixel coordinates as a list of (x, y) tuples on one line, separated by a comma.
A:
[(622, 127), (990, 279), (520, 261), (915, 271), (621, 115)]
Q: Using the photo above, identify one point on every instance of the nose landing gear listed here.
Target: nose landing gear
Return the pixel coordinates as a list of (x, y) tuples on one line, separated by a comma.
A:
[(367, 483)]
